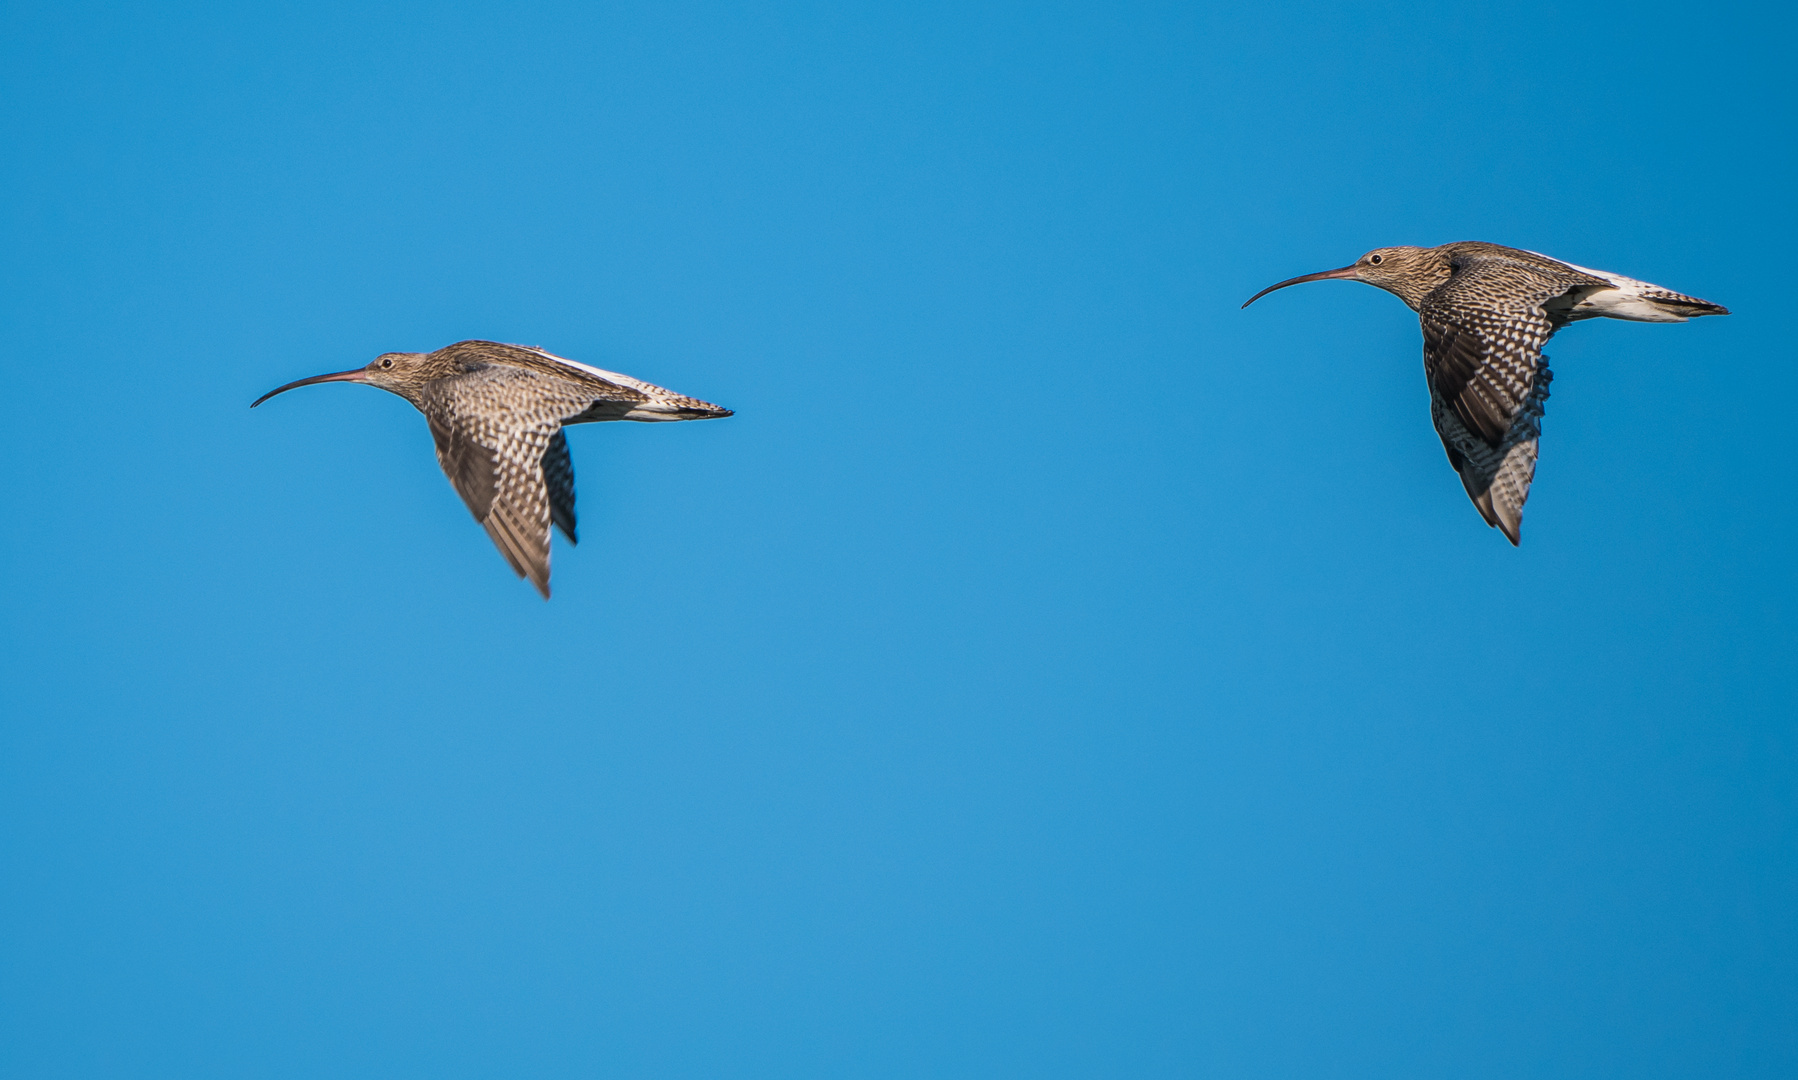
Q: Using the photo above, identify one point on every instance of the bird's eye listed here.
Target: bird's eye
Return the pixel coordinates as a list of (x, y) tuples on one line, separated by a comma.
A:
[(387, 361), (1376, 259)]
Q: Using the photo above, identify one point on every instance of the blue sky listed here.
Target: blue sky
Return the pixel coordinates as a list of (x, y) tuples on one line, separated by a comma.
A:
[(1050, 671)]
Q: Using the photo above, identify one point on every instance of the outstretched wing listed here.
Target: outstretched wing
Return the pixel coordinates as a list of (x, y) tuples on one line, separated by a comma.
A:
[(494, 427), (558, 478), (1483, 364), (1483, 332)]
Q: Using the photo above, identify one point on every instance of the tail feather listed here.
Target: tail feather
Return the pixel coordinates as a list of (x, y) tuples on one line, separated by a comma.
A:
[(1638, 301)]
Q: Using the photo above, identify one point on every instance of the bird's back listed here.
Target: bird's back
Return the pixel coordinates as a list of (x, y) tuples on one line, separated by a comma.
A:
[(609, 395)]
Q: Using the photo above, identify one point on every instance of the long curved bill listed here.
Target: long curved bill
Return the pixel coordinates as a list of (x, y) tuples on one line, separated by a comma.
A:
[(353, 375), (1322, 275)]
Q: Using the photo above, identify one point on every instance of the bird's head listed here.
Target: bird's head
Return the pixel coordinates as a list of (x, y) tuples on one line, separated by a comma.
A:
[(1408, 273), (399, 372)]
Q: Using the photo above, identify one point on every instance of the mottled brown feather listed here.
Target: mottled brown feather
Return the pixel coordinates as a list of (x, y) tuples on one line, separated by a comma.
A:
[(558, 477), (1483, 332), (494, 426), (469, 465)]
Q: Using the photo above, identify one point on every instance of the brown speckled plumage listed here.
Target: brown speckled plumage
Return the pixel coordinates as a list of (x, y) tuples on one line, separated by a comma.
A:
[(496, 413), (1486, 311)]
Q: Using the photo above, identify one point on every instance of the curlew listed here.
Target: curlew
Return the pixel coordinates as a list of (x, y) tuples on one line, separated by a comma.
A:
[(1486, 312), (496, 413)]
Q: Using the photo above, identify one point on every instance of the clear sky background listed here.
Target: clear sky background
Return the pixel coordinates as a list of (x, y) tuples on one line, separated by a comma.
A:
[(1050, 671)]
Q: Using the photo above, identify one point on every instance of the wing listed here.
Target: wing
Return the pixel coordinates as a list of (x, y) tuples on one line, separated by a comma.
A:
[(610, 395), (1483, 364), (1483, 333), (558, 478), (493, 428)]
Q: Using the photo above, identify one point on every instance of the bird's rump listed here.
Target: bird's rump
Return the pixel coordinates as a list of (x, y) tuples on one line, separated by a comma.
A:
[(1624, 298)]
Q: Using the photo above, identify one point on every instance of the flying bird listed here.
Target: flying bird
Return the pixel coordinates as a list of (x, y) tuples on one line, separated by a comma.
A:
[(1486, 312), (496, 414)]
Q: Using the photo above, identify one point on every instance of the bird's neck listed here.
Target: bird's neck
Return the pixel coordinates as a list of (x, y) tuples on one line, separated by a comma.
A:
[(1430, 271)]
